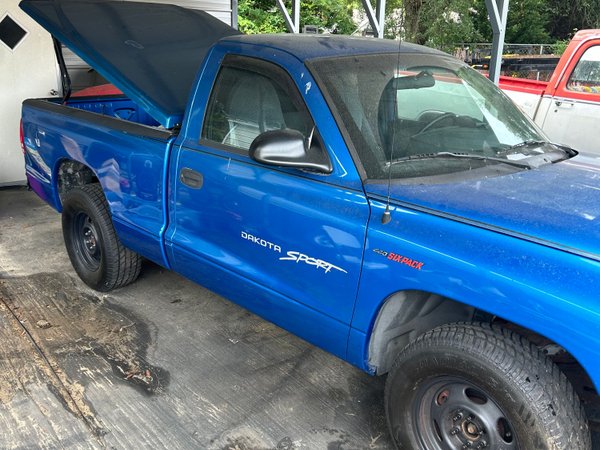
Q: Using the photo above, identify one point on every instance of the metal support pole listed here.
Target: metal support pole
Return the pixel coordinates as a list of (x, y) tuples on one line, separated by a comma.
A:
[(234, 14), (380, 17), (376, 17), (296, 12), (292, 24), (498, 12)]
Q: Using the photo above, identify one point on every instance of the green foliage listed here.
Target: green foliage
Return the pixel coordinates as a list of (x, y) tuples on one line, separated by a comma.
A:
[(263, 16), (559, 47), (571, 15), (438, 23), (328, 14), (527, 22), (259, 16), (451, 24)]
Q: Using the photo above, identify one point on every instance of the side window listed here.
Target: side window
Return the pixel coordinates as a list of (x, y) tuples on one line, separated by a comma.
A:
[(586, 75), (246, 102)]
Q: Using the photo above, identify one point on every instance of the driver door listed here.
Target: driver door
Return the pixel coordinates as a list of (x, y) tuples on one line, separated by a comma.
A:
[(283, 242)]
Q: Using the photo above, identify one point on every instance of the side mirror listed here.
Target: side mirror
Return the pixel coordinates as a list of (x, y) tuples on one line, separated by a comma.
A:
[(287, 148)]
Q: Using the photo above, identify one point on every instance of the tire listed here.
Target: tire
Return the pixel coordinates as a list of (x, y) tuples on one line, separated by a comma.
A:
[(94, 249), (476, 386)]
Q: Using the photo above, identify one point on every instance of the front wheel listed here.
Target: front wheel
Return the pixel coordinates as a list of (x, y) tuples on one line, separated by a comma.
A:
[(94, 249), (475, 387)]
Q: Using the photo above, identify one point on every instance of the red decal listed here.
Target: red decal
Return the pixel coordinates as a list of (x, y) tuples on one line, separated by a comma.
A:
[(413, 264)]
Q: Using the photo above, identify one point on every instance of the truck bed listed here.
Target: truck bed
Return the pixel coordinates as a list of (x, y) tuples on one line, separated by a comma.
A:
[(118, 106), (122, 146), (523, 85), (108, 100), (525, 93)]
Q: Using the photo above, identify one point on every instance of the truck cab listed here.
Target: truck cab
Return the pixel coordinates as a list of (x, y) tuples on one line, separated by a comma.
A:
[(568, 106)]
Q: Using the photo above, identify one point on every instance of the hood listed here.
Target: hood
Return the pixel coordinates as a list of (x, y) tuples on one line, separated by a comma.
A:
[(150, 51), (556, 205)]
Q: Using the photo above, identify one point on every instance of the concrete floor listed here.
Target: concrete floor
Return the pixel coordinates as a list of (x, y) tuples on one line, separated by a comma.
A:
[(163, 363)]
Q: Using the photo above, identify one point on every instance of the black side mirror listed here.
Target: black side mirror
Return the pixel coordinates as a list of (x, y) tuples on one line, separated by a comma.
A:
[(288, 148)]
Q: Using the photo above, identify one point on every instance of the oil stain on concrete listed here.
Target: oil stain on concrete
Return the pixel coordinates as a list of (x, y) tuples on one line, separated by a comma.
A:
[(61, 336)]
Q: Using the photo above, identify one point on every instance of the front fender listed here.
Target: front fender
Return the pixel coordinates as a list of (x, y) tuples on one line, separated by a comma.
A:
[(549, 291)]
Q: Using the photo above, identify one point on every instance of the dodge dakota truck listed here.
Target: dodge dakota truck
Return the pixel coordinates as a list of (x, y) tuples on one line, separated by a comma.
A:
[(379, 199), (567, 107)]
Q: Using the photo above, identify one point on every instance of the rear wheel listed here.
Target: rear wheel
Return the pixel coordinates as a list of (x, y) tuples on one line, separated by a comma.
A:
[(474, 386), (95, 251)]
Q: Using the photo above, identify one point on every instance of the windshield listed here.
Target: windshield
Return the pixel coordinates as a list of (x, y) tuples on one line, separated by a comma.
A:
[(428, 115)]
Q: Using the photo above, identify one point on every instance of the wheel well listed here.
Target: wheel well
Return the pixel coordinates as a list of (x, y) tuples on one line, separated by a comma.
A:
[(72, 174), (408, 314)]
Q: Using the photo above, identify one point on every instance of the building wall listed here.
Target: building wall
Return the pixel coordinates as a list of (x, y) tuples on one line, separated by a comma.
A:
[(28, 69)]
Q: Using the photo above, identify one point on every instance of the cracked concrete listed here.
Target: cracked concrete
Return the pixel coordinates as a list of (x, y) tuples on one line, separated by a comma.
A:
[(162, 363)]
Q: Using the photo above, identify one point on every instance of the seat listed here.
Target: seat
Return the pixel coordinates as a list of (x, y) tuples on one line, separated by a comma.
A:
[(254, 108)]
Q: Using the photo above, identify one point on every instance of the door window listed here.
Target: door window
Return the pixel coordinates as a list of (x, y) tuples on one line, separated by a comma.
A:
[(586, 75), (249, 99)]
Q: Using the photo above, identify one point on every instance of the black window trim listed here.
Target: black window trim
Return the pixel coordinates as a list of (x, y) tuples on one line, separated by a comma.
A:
[(595, 43), (267, 69)]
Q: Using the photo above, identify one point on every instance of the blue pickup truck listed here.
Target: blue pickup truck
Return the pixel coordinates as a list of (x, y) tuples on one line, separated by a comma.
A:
[(377, 198)]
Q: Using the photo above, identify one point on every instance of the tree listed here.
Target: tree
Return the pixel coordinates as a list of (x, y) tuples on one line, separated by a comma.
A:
[(260, 16), (332, 15), (440, 23), (437, 23), (263, 16), (573, 14), (527, 21)]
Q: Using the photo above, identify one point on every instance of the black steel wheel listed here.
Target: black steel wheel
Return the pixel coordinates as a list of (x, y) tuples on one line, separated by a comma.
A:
[(454, 413), (94, 249), (85, 239), (474, 387)]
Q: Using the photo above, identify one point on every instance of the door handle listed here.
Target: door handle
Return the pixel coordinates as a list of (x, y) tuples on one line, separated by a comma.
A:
[(191, 178), (564, 103)]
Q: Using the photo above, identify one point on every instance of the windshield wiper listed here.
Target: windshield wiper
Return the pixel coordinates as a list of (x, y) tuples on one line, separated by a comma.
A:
[(519, 164), (532, 143), (511, 149)]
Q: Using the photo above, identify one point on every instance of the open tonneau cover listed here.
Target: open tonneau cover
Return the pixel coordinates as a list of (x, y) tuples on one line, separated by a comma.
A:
[(150, 51)]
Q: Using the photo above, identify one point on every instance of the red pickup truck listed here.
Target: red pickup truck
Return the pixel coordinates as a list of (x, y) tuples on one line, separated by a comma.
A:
[(567, 107)]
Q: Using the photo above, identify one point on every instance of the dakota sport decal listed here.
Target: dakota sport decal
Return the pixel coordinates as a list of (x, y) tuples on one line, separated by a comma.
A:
[(294, 256), (261, 242), (318, 263)]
